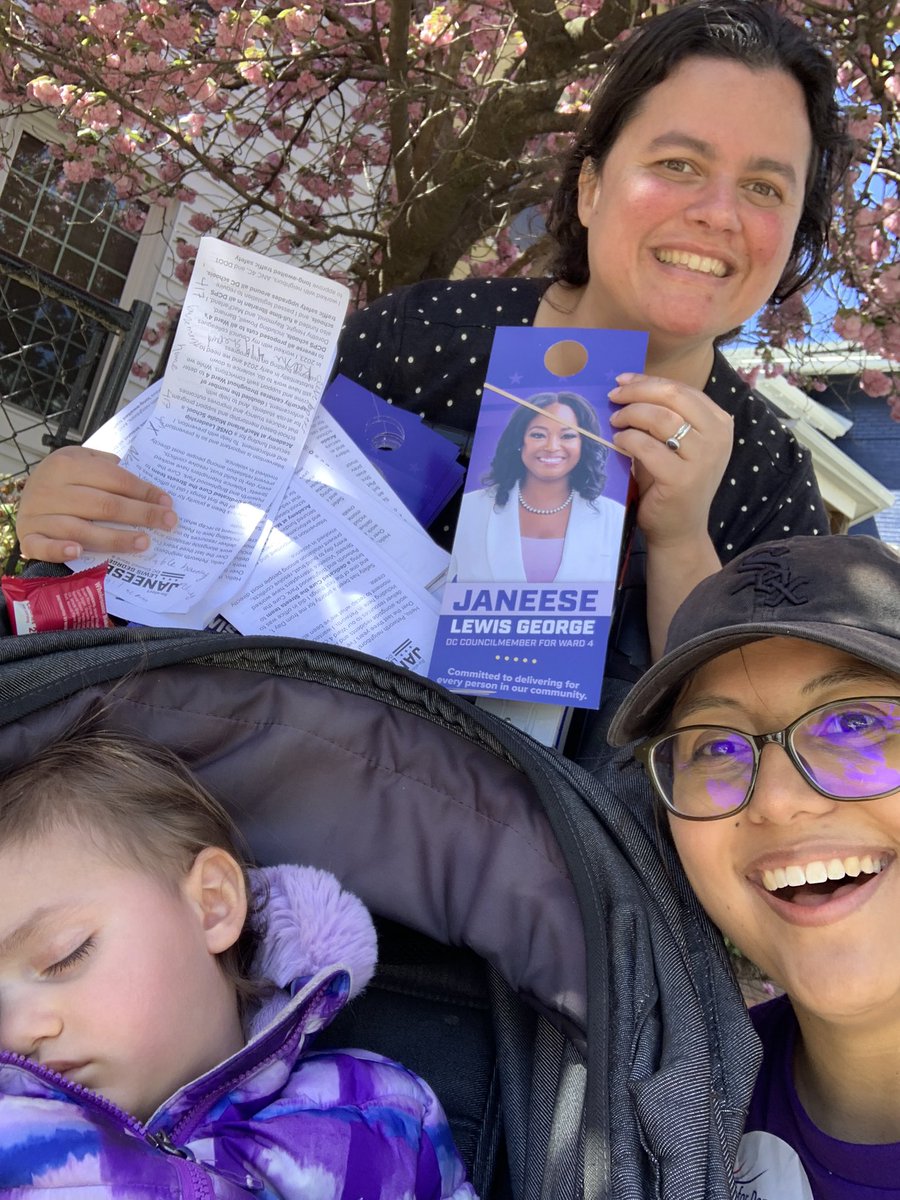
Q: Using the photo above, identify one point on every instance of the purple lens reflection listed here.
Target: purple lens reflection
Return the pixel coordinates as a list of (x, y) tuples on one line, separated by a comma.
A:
[(858, 776), (852, 750), (725, 796), (706, 771)]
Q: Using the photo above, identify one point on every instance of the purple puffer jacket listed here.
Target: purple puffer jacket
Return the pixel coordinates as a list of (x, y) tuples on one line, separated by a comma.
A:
[(275, 1120)]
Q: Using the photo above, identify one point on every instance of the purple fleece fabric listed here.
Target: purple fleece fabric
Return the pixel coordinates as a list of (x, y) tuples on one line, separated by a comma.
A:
[(276, 1121)]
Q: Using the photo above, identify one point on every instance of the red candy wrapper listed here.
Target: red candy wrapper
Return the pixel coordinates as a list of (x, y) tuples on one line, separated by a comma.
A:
[(75, 602)]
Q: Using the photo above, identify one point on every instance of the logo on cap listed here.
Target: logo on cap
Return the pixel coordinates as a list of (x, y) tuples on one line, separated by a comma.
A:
[(768, 572)]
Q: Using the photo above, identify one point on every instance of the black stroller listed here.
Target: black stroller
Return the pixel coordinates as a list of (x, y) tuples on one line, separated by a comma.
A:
[(542, 962)]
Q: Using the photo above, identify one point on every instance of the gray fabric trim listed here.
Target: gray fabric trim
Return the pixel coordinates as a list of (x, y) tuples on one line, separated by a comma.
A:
[(447, 838)]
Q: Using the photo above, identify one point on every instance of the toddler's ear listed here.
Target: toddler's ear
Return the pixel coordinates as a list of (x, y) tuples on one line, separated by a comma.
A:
[(215, 886)]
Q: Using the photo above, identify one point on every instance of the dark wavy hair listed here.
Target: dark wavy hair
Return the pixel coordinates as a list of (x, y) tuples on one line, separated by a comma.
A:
[(749, 32), (507, 469)]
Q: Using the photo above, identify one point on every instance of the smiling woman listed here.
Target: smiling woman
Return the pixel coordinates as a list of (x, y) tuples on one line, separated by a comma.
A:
[(542, 516), (687, 216), (776, 756), (698, 188)]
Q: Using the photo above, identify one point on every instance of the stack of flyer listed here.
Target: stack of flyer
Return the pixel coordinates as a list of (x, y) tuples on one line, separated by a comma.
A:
[(302, 514), (284, 526)]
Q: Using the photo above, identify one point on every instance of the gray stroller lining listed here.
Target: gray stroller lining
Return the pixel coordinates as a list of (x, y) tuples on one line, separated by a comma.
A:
[(428, 829)]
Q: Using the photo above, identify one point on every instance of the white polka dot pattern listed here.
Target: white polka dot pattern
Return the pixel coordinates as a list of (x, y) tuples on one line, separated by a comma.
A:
[(435, 366)]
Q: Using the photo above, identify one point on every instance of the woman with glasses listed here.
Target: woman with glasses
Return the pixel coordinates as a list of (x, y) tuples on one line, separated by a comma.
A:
[(772, 728)]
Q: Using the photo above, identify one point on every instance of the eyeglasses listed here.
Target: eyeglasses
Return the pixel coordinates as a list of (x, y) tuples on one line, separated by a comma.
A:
[(847, 750)]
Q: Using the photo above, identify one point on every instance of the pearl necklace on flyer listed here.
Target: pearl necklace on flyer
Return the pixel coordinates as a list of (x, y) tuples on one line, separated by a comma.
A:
[(544, 512)]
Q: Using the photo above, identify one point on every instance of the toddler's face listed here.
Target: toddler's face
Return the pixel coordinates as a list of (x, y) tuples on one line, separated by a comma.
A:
[(106, 973)]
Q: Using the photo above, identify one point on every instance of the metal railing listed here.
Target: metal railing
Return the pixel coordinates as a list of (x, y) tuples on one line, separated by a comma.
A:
[(64, 360)]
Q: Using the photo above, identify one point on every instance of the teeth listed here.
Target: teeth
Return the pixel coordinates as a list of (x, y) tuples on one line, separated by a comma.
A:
[(815, 872), (819, 871), (694, 262)]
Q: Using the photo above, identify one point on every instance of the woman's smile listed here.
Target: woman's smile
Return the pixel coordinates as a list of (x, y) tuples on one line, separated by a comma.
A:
[(692, 215), (825, 889), (551, 446)]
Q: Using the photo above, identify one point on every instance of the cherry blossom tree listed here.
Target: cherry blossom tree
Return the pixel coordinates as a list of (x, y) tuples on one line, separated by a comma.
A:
[(387, 141)]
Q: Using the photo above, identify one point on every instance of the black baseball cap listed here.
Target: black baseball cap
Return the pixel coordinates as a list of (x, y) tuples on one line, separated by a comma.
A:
[(842, 591)]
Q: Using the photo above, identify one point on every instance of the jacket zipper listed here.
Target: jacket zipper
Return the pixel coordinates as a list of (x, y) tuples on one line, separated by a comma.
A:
[(77, 1090), (89, 1099), (192, 1175)]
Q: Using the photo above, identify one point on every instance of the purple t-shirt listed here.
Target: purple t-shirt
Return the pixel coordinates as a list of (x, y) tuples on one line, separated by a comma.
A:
[(783, 1156)]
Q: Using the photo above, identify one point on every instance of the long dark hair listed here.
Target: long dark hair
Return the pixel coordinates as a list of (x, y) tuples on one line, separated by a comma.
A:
[(743, 31), (588, 477)]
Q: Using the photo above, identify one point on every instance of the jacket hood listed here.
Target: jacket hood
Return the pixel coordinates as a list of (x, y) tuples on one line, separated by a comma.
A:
[(307, 923)]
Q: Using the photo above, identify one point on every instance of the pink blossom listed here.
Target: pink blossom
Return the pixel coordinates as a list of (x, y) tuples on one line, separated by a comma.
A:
[(147, 32), (252, 72), (109, 18), (861, 128), (202, 222), (299, 21), (133, 219), (45, 90), (198, 85), (140, 370), (437, 28), (103, 116), (79, 171), (183, 272), (193, 124), (849, 326), (876, 383), (892, 85), (178, 31), (185, 250), (124, 187), (124, 145), (750, 374)]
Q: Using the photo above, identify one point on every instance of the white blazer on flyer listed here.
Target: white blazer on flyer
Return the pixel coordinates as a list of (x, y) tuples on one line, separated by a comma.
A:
[(488, 546)]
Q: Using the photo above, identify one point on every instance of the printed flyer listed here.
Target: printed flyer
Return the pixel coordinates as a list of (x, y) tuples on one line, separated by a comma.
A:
[(526, 611)]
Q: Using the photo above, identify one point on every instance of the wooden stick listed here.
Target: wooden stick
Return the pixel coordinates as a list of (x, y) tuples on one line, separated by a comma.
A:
[(595, 437)]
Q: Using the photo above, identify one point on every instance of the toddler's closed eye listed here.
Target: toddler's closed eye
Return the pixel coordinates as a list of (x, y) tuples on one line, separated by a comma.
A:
[(71, 959)]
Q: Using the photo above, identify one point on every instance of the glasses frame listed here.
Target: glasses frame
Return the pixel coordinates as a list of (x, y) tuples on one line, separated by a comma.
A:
[(779, 737)]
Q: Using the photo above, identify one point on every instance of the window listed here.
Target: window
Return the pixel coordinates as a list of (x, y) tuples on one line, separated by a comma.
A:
[(83, 235)]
